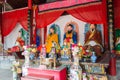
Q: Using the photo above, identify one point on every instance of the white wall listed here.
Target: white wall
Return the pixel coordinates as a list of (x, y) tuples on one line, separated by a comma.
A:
[(9, 40)]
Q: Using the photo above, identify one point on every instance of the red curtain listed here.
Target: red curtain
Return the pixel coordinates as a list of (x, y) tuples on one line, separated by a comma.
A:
[(10, 19), (9, 22), (89, 13), (22, 17), (92, 13), (117, 13), (45, 19), (95, 13)]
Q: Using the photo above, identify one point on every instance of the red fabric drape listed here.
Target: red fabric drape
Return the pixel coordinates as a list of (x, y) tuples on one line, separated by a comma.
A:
[(10, 19), (22, 17), (91, 13), (117, 13), (46, 18), (9, 22)]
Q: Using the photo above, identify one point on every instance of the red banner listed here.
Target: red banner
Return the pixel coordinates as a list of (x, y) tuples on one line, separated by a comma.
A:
[(63, 4)]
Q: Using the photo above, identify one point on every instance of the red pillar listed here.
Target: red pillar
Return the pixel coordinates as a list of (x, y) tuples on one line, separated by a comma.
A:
[(112, 66), (30, 21), (30, 4)]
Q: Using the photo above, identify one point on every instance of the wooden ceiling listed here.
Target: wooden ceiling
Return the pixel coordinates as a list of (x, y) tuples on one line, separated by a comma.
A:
[(0, 7), (23, 3), (15, 4)]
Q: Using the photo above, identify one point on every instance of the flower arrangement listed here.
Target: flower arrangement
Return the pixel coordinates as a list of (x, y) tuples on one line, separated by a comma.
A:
[(30, 51), (75, 49), (88, 52), (78, 50), (27, 50)]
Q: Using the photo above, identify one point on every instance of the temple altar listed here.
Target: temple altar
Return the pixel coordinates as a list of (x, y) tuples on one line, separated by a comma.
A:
[(48, 74)]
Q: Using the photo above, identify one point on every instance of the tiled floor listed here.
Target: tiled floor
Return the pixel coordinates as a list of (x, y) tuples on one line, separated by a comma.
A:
[(5, 74)]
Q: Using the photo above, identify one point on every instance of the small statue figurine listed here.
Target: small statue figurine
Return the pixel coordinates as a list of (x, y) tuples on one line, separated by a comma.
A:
[(65, 52), (53, 50), (26, 54), (84, 76), (43, 51), (14, 69), (33, 53)]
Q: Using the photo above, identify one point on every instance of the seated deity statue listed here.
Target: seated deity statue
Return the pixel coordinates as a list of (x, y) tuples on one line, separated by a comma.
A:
[(70, 36), (52, 37), (93, 39)]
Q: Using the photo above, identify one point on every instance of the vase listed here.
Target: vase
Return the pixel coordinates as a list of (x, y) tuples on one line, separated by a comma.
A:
[(14, 75), (75, 72), (27, 60), (93, 57), (14, 69), (32, 56)]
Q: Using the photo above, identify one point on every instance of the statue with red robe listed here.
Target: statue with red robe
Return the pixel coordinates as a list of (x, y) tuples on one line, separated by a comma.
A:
[(93, 39)]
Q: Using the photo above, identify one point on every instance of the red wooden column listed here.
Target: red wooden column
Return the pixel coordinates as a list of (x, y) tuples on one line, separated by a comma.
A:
[(112, 63), (30, 20), (110, 12)]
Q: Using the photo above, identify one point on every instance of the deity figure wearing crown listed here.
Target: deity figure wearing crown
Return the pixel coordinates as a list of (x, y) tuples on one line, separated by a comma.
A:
[(70, 36)]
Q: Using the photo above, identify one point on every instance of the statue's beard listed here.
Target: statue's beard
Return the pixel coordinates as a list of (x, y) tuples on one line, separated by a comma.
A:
[(69, 31), (92, 30), (51, 33)]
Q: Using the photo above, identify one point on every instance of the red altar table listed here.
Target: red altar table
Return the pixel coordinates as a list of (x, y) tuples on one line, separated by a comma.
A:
[(48, 74)]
